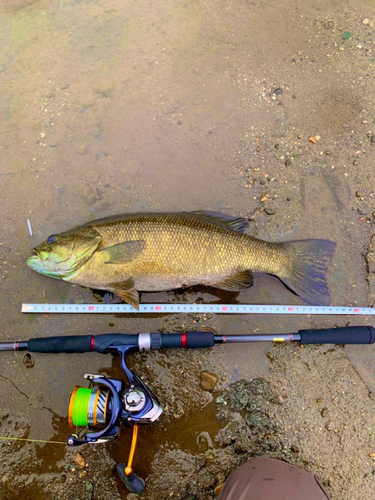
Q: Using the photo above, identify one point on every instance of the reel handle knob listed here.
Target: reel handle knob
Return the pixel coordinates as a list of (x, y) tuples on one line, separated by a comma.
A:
[(134, 483)]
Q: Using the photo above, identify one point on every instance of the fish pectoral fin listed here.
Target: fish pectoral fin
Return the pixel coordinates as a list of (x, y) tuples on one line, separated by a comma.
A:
[(239, 281), (238, 224), (123, 252), (126, 292)]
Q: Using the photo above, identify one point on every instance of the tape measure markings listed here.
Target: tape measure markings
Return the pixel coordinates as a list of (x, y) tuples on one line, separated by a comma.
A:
[(194, 308)]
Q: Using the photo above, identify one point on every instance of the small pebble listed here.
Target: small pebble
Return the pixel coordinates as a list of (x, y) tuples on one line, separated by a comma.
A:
[(204, 442), (324, 412), (329, 25), (359, 194), (79, 460), (288, 162), (269, 211), (312, 139), (346, 35), (366, 21), (91, 199), (89, 486), (28, 360), (222, 415), (208, 381), (373, 139), (294, 449), (319, 400)]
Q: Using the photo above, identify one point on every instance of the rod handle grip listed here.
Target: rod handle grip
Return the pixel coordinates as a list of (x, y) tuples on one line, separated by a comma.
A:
[(71, 343), (344, 335)]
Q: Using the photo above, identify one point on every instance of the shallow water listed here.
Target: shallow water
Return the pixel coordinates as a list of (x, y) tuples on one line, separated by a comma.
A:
[(114, 106)]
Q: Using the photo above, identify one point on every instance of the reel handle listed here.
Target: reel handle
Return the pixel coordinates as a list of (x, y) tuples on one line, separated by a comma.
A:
[(134, 483)]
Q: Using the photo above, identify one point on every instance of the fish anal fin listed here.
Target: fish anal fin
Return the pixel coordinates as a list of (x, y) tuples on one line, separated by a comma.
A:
[(239, 281), (238, 224), (123, 252)]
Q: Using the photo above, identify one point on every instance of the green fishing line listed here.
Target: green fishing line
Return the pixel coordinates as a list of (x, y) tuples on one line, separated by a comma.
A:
[(81, 406)]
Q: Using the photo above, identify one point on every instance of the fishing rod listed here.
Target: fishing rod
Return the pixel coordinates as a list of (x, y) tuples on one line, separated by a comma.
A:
[(100, 410)]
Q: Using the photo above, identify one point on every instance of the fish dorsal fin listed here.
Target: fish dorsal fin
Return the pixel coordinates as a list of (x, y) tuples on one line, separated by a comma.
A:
[(239, 281), (238, 224), (125, 290), (123, 252)]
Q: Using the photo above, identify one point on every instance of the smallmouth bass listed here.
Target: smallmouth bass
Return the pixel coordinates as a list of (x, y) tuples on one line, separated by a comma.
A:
[(128, 253)]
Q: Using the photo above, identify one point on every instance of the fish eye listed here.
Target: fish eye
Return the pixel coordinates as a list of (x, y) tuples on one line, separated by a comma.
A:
[(52, 239)]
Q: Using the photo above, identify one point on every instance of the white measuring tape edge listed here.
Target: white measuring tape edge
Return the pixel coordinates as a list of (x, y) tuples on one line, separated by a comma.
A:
[(194, 308)]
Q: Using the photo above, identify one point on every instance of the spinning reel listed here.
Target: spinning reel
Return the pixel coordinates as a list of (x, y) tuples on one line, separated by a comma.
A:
[(100, 410)]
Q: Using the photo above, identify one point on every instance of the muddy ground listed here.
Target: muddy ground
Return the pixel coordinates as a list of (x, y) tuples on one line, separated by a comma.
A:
[(259, 109)]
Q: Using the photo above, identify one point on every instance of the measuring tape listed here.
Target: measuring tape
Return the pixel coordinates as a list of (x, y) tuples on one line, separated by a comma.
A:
[(194, 308)]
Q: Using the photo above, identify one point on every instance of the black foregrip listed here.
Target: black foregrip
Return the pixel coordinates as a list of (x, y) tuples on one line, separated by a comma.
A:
[(72, 343), (345, 335), (169, 341), (188, 340), (199, 339), (106, 340)]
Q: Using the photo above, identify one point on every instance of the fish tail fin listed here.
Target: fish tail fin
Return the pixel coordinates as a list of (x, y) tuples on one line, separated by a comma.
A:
[(305, 274)]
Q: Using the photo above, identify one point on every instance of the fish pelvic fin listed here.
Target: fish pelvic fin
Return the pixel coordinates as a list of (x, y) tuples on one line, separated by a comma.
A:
[(306, 271), (126, 291), (123, 252), (239, 281)]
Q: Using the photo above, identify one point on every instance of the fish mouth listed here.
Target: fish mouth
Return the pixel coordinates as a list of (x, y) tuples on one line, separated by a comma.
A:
[(34, 262)]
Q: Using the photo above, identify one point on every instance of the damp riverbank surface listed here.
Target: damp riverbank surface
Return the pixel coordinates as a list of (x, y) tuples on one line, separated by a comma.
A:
[(264, 110)]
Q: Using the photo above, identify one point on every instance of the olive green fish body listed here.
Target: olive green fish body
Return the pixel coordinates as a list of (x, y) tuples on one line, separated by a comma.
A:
[(163, 251), (175, 252)]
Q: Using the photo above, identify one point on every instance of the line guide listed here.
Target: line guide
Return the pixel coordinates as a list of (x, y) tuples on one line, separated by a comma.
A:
[(195, 308)]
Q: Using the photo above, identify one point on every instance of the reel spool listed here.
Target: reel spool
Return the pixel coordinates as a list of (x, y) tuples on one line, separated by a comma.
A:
[(89, 407)]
